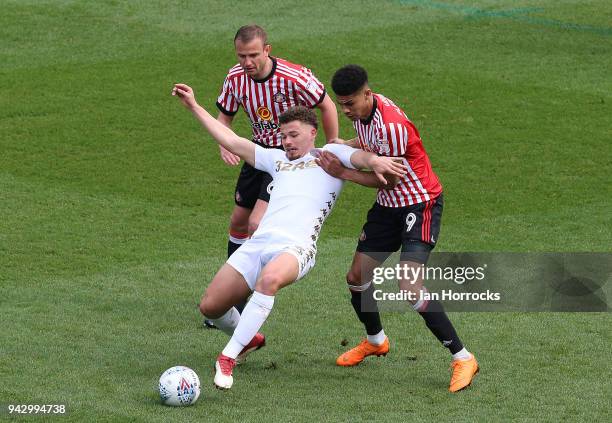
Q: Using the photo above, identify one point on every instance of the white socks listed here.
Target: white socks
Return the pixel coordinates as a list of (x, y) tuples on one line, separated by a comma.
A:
[(462, 355), (421, 303), (228, 322), (253, 317), (377, 339)]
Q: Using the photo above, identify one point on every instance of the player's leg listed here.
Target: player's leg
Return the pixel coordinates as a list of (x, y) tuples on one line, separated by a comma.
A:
[(414, 256), (278, 273), (359, 280), (227, 288), (420, 236), (239, 228), (378, 239), (245, 197), (246, 194), (238, 234)]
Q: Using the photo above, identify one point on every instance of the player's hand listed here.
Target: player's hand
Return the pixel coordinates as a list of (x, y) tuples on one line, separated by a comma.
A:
[(228, 157), (387, 165), (185, 94), (353, 142), (330, 163)]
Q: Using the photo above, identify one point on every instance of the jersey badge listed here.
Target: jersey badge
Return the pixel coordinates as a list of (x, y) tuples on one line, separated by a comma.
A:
[(279, 97), (383, 146)]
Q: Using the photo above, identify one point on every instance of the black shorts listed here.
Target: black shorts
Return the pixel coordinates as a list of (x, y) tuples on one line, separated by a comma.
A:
[(252, 185), (414, 228)]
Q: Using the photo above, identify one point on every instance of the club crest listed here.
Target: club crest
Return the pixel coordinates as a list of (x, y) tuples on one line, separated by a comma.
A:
[(279, 97)]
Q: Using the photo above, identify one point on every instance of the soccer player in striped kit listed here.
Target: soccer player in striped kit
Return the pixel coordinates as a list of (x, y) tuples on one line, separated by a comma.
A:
[(407, 217), (264, 86)]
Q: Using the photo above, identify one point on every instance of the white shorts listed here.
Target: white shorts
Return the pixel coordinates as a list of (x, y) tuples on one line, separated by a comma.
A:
[(255, 253)]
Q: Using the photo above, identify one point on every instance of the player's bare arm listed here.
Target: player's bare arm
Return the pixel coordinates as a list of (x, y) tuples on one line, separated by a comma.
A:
[(353, 142), (381, 165), (388, 176), (329, 117), (228, 157), (224, 136)]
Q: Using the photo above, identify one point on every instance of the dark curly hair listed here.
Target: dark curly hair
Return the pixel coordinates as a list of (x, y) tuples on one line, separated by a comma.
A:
[(349, 79)]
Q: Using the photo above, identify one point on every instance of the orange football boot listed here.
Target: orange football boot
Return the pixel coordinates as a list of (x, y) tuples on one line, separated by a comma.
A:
[(356, 355), (463, 373)]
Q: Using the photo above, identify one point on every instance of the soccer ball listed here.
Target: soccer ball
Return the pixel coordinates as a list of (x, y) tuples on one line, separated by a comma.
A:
[(179, 386)]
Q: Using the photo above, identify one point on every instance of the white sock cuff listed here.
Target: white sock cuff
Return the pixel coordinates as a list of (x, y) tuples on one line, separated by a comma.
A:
[(359, 288), (377, 339), (237, 240), (262, 300), (228, 322), (464, 354), (421, 303)]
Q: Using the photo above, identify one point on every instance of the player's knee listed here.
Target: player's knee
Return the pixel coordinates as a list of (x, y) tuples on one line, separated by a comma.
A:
[(209, 309), (239, 222), (238, 226), (269, 284), (353, 277), (253, 225)]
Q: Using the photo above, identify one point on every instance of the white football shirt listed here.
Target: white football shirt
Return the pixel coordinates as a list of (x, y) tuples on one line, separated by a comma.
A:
[(302, 197)]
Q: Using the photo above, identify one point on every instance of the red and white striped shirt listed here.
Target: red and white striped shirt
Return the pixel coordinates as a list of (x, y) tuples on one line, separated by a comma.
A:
[(388, 132), (265, 100)]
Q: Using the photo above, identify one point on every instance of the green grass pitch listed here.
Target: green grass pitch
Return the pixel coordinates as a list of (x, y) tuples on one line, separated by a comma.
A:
[(114, 205)]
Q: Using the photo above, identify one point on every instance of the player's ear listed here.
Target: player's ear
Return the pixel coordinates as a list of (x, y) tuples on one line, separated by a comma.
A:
[(367, 92), (267, 49)]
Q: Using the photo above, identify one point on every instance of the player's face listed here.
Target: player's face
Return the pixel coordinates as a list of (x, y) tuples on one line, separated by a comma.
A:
[(298, 138), (253, 56), (356, 106)]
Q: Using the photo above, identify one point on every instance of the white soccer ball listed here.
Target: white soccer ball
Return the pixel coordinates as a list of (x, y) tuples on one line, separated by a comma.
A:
[(179, 386)]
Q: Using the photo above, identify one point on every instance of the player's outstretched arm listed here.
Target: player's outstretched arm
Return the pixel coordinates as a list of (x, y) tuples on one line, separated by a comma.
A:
[(224, 136)]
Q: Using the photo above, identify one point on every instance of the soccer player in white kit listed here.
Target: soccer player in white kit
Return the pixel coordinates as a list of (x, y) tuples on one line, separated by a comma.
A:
[(283, 248)]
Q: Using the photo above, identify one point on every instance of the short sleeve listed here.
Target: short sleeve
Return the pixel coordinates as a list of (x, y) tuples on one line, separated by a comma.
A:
[(265, 159), (227, 102), (310, 91), (343, 152)]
